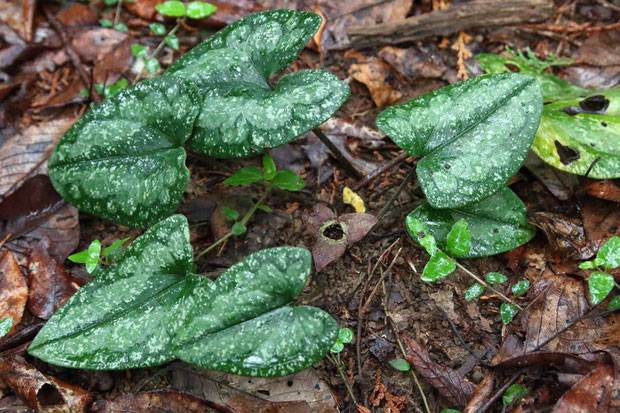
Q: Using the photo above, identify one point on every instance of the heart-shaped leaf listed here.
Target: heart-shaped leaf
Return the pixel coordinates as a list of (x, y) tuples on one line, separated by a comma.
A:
[(242, 115), (582, 135), (472, 136), (124, 160), (148, 308), (497, 224)]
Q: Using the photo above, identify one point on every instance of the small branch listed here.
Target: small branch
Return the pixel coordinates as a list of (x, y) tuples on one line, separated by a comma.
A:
[(117, 16), (487, 285), (463, 343), (75, 58), (393, 198), (501, 391), (371, 176), (336, 152)]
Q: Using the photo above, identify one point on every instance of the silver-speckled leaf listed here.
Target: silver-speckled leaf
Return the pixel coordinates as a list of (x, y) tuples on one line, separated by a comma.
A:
[(241, 114), (497, 223), (148, 308), (124, 160), (472, 136)]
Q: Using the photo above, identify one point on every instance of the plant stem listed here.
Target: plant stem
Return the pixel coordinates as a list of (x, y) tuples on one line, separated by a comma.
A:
[(336, 152), (389, 203), (117, 16), (487, 285), (158, 48), (345, 379), (389, 165), (243, 221)]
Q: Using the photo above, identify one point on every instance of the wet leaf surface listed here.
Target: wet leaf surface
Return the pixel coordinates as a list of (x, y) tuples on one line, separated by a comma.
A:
[(13, 289), (472, 136)]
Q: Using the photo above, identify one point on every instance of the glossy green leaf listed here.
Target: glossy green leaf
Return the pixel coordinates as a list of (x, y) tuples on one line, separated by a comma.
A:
[(242, 115), (269, 168), (245, 176), (400, 364), (171, 8), (474, 291), (79, 257), (345, 335), (199, 9), (230, 213), (337, 347), (586, 265), (94, 251), (495, 278), (124, 160), (458, 241), (148, 308), (420, 233), (520, 287), (439, 266), (172, 41), (497, 223), (514, 393), (609, 253), (5, 326), (614, 303), (472, 137), (152, 65), (139, 50), (113, 249), (288, 181), (507, 312), (158, 29), (600, 285)]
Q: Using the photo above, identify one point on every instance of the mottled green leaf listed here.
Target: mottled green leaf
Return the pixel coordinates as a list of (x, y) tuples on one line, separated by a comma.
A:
[(171, 8), (121, 27), (172, 41), (614, 303), (609, 253), (148, 308), (420, 233), (152, 65), (600, 285), (495, 278), (158, 28), (242, 114), (507, 312), (439, 266), (514, 393), (520, 287), (199, 9), (337, 347), (124, 160), (474, 291), (94, 250), (5, 326), (458, 241), (245, 176), (400, 364), (472, 137), (586, 265), (497, 223), (345, 335), (288, 181)]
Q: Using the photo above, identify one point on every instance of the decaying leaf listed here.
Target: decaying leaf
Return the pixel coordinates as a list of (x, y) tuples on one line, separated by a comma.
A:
[(376, 74), (566, 235), (456, 389), (413, 62), (13, 289), (601, 220), (483, 391), (591, 394), (41, 392), (605, 189), (50, 285), (157, 402)]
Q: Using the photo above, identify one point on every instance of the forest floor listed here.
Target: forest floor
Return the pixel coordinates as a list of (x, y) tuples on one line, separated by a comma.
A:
[(461, 353)]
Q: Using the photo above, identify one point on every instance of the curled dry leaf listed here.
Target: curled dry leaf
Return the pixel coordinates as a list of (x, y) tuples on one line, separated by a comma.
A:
[(157, 402), (39, 391), (456, 389), (593, 393), (13, 289), (50, 285), (24, 154), (376, 74), (334, 234)]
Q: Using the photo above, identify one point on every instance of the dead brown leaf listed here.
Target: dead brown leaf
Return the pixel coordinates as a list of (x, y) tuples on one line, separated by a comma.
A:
[(376, 74), (601, 220), (456, 389), (76, 14), (606, 189), (93, 44), (414, 62), (157, 402), (600, 49), (566, 235), (50, 285), (482, 393), (41, 392), (590, 394), (13, 289)]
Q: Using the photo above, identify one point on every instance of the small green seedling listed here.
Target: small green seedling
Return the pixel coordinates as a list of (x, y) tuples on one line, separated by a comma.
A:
[(5, 326), (110, 90), (157, 29), (284, 179), (106, 23), (514, 393), (94, 256), (345, 336), (400, 364), (600, 283)]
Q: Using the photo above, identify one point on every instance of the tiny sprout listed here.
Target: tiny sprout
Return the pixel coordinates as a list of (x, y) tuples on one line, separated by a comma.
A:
[(139, 50), (450, 411), (121, 27), (94, 255), (230, 213), (600, 285), (615, 303), (345, 335), (284, 179)]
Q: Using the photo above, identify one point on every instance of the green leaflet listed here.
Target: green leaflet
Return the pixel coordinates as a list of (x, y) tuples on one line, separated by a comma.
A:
[(497, 224), (242, 115), (472, 136), (124, 160), (150, 309)]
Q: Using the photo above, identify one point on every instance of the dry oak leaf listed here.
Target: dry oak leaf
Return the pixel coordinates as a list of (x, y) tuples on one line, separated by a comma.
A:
[(376, 74), (41, 392), (453, 387), (13, 289)]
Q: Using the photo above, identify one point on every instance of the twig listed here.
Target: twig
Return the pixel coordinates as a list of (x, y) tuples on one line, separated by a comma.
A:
[(336, 152), (75, 58), (117, 15), (463, 343), (487, 285), (501, 391), (393, 198), (371, 176), (22, 336)]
